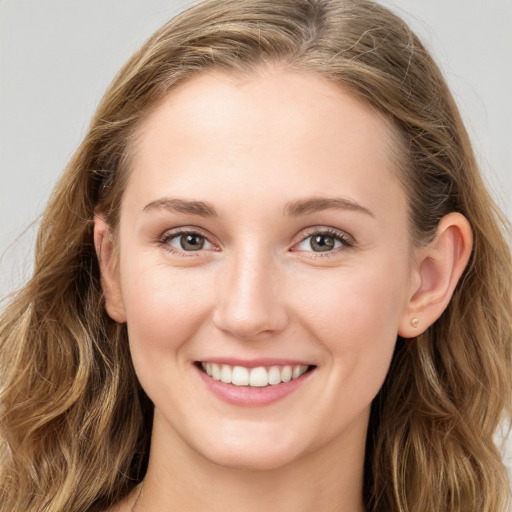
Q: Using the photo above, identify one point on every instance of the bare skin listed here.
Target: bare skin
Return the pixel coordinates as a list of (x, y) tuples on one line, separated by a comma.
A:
[(264, 221)]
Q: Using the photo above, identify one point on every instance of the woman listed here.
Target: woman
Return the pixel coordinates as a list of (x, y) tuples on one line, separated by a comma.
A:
[(270, 277)]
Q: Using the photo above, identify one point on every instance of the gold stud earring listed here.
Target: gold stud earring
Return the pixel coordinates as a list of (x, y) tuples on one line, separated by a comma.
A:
[(415, 322)]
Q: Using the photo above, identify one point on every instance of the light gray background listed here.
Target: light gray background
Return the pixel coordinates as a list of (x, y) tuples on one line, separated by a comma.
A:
[(57, 57)]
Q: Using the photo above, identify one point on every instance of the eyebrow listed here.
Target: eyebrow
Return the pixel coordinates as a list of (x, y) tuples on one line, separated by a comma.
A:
[(294, 208), (182, 206), (318, 204)]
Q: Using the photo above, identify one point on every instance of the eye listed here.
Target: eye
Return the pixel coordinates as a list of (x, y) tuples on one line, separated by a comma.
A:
[(188, 241), (324, 241)]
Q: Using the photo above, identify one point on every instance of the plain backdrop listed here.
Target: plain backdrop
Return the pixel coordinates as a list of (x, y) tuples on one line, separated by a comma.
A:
[(57, 57)]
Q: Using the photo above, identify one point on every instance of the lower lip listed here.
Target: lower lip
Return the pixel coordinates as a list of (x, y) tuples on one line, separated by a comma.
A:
[(246, 396)]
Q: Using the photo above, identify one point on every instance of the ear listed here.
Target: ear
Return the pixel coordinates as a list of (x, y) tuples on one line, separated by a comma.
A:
[(110, 281), (438, 268)]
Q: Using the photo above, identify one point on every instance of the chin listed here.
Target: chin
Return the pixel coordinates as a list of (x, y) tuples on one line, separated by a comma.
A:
[(252, 460), (251, 453)]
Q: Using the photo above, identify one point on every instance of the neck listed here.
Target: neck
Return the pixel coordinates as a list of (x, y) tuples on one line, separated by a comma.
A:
[(178, 478)]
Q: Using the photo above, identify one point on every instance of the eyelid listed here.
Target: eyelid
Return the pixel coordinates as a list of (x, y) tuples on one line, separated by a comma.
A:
[(171, 234), (346, 240)]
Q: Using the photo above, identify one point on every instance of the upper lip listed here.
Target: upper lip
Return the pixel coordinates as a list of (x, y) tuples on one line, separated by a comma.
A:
[(254, 363)]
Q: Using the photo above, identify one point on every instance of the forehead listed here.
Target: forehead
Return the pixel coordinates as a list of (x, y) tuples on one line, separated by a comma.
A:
[(207, 102), (277, 129)]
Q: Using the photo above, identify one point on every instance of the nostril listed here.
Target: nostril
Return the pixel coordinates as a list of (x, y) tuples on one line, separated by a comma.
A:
[(250, 303), (258, 323)]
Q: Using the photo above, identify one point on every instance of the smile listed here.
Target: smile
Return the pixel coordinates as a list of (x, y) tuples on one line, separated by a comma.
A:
[(258, 377)]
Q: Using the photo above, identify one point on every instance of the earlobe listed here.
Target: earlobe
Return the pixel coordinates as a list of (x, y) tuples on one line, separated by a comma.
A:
[(110, 282), (439, 266)]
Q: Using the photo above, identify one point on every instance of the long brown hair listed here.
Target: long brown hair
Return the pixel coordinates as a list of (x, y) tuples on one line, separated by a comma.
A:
[(74, 422)]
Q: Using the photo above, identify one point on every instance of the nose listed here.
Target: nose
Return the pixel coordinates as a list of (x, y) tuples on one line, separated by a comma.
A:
[(250, 299)]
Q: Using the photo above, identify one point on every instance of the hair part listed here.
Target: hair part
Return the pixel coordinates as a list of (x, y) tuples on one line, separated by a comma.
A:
[(72, 409)]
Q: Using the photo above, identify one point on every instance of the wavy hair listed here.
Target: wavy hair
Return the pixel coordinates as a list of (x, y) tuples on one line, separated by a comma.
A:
[(74, 422)]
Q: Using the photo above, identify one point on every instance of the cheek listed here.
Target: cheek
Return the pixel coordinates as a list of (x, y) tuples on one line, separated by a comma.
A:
[(164, 311), (164, 306), (355, 316), (354, 305)]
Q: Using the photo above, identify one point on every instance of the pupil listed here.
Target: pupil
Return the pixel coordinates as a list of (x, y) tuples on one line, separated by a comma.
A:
[(192, 242), (322, 243)]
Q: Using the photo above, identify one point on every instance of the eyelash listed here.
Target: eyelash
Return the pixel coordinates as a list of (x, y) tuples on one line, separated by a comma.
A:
[(167, 237), (345, 240)]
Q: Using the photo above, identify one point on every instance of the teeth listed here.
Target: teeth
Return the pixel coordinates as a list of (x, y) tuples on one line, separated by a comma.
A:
[(225, 373), (298, 371), (240, 376), (258, 377), (274, 375), (255, 377), (286, 374), (215, 371)]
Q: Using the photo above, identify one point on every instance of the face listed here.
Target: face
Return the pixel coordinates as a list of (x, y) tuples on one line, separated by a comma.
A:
[(264, 266)]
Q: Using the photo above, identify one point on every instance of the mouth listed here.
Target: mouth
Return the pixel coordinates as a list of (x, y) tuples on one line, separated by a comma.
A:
[(253, 377)]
